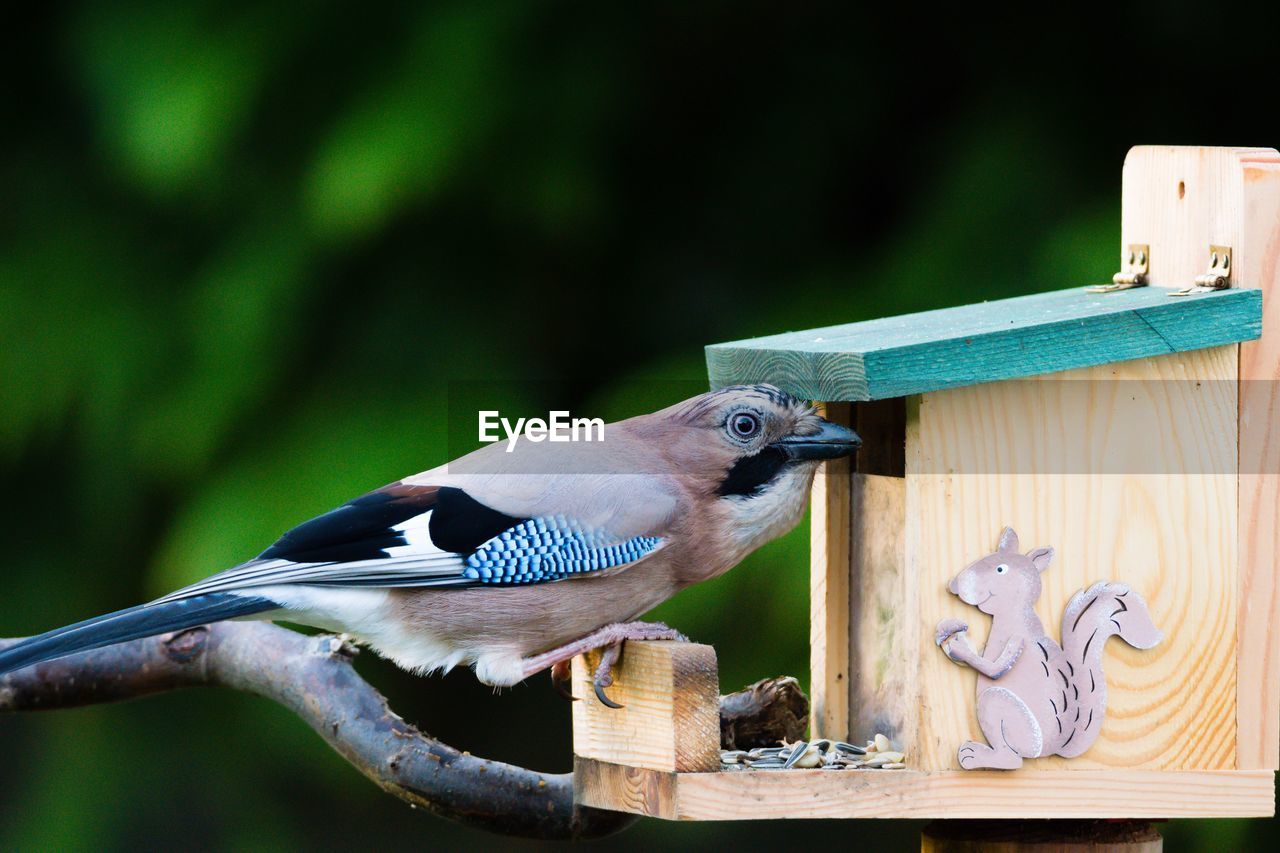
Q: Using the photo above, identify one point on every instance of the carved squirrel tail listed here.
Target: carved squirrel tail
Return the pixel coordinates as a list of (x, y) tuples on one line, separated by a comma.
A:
[(1092, 616)]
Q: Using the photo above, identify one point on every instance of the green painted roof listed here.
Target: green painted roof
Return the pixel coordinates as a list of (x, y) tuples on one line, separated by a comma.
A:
[(985, 342)]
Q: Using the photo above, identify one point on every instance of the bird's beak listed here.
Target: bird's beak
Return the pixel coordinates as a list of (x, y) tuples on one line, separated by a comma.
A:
[(830, 442)]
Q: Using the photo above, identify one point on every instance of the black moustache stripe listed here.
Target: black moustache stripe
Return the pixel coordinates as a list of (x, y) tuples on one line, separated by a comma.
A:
[(750, 474)]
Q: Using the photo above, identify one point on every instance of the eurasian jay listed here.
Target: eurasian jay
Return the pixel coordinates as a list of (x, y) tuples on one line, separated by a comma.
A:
[(515, 562)]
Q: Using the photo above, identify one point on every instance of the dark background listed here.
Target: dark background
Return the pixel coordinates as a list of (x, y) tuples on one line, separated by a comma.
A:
[(245, 250)]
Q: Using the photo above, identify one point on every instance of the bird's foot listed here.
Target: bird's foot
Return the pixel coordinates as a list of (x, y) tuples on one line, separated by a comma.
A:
[(613, 652), (609, 639)]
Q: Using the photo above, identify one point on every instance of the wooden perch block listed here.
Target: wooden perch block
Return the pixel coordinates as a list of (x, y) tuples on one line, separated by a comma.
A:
[(670, 719)]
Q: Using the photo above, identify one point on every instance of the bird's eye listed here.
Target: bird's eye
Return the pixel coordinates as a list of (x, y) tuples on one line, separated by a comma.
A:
[(744, 425), (1001, 569)]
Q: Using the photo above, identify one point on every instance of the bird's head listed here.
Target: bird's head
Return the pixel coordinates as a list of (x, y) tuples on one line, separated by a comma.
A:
[(754, 449)]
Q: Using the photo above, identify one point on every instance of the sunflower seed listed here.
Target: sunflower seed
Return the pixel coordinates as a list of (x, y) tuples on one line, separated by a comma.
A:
[(797, 751), (811, 757), (822, 753)]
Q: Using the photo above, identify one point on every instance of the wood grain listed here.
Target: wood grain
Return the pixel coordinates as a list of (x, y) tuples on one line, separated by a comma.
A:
[(988, 341), (1257, 261), (829, 591), (884, 597), (909, 794), (617, 787), (671, 714), (1129, 472)]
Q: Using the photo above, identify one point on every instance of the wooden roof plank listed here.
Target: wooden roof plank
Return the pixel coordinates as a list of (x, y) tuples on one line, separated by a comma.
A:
[(986, 342)]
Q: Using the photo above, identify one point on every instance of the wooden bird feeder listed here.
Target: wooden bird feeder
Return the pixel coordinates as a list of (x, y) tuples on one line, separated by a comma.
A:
[(1133, 427)]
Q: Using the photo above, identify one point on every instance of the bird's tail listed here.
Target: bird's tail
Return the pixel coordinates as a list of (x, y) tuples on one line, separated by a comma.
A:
[(145, 620)]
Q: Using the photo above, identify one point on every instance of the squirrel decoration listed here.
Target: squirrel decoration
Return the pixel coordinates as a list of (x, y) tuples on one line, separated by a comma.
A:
[(1037, 698)]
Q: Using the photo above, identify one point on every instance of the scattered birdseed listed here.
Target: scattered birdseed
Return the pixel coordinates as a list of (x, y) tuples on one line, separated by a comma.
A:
[(820, 753)]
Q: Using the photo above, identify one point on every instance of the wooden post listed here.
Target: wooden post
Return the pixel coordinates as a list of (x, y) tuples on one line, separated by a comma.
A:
[(1179, 200), (829, 592), (1058, 836), (882, 648), (1258, 265)]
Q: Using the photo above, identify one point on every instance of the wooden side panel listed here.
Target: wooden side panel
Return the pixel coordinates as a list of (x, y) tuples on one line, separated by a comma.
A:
[(882, 642), (1257, 264), (1130, 480), (829, 592), (670, 719), (907, 794)]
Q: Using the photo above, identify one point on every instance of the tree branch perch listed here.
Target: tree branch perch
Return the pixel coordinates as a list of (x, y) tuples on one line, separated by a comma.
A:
[(313, 677)]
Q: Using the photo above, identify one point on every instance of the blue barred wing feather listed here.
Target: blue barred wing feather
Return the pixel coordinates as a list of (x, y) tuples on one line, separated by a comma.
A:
[(548, 549)]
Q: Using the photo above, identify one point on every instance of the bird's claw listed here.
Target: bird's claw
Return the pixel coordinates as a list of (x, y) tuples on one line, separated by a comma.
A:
[(605, 700), (562, 679), (604, 673), (609, 641)]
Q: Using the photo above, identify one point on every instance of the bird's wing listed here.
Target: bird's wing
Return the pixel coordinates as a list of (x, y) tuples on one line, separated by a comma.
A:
[(414, 535)]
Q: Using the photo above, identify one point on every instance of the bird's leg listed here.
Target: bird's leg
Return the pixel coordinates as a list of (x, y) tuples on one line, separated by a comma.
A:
[(610, 638)]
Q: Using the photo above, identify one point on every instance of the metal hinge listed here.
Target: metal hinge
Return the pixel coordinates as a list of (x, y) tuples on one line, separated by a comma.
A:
[(1134, 265), (1217, 278)]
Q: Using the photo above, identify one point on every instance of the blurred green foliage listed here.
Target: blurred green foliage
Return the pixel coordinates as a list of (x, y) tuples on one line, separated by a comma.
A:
[(245, 248)]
